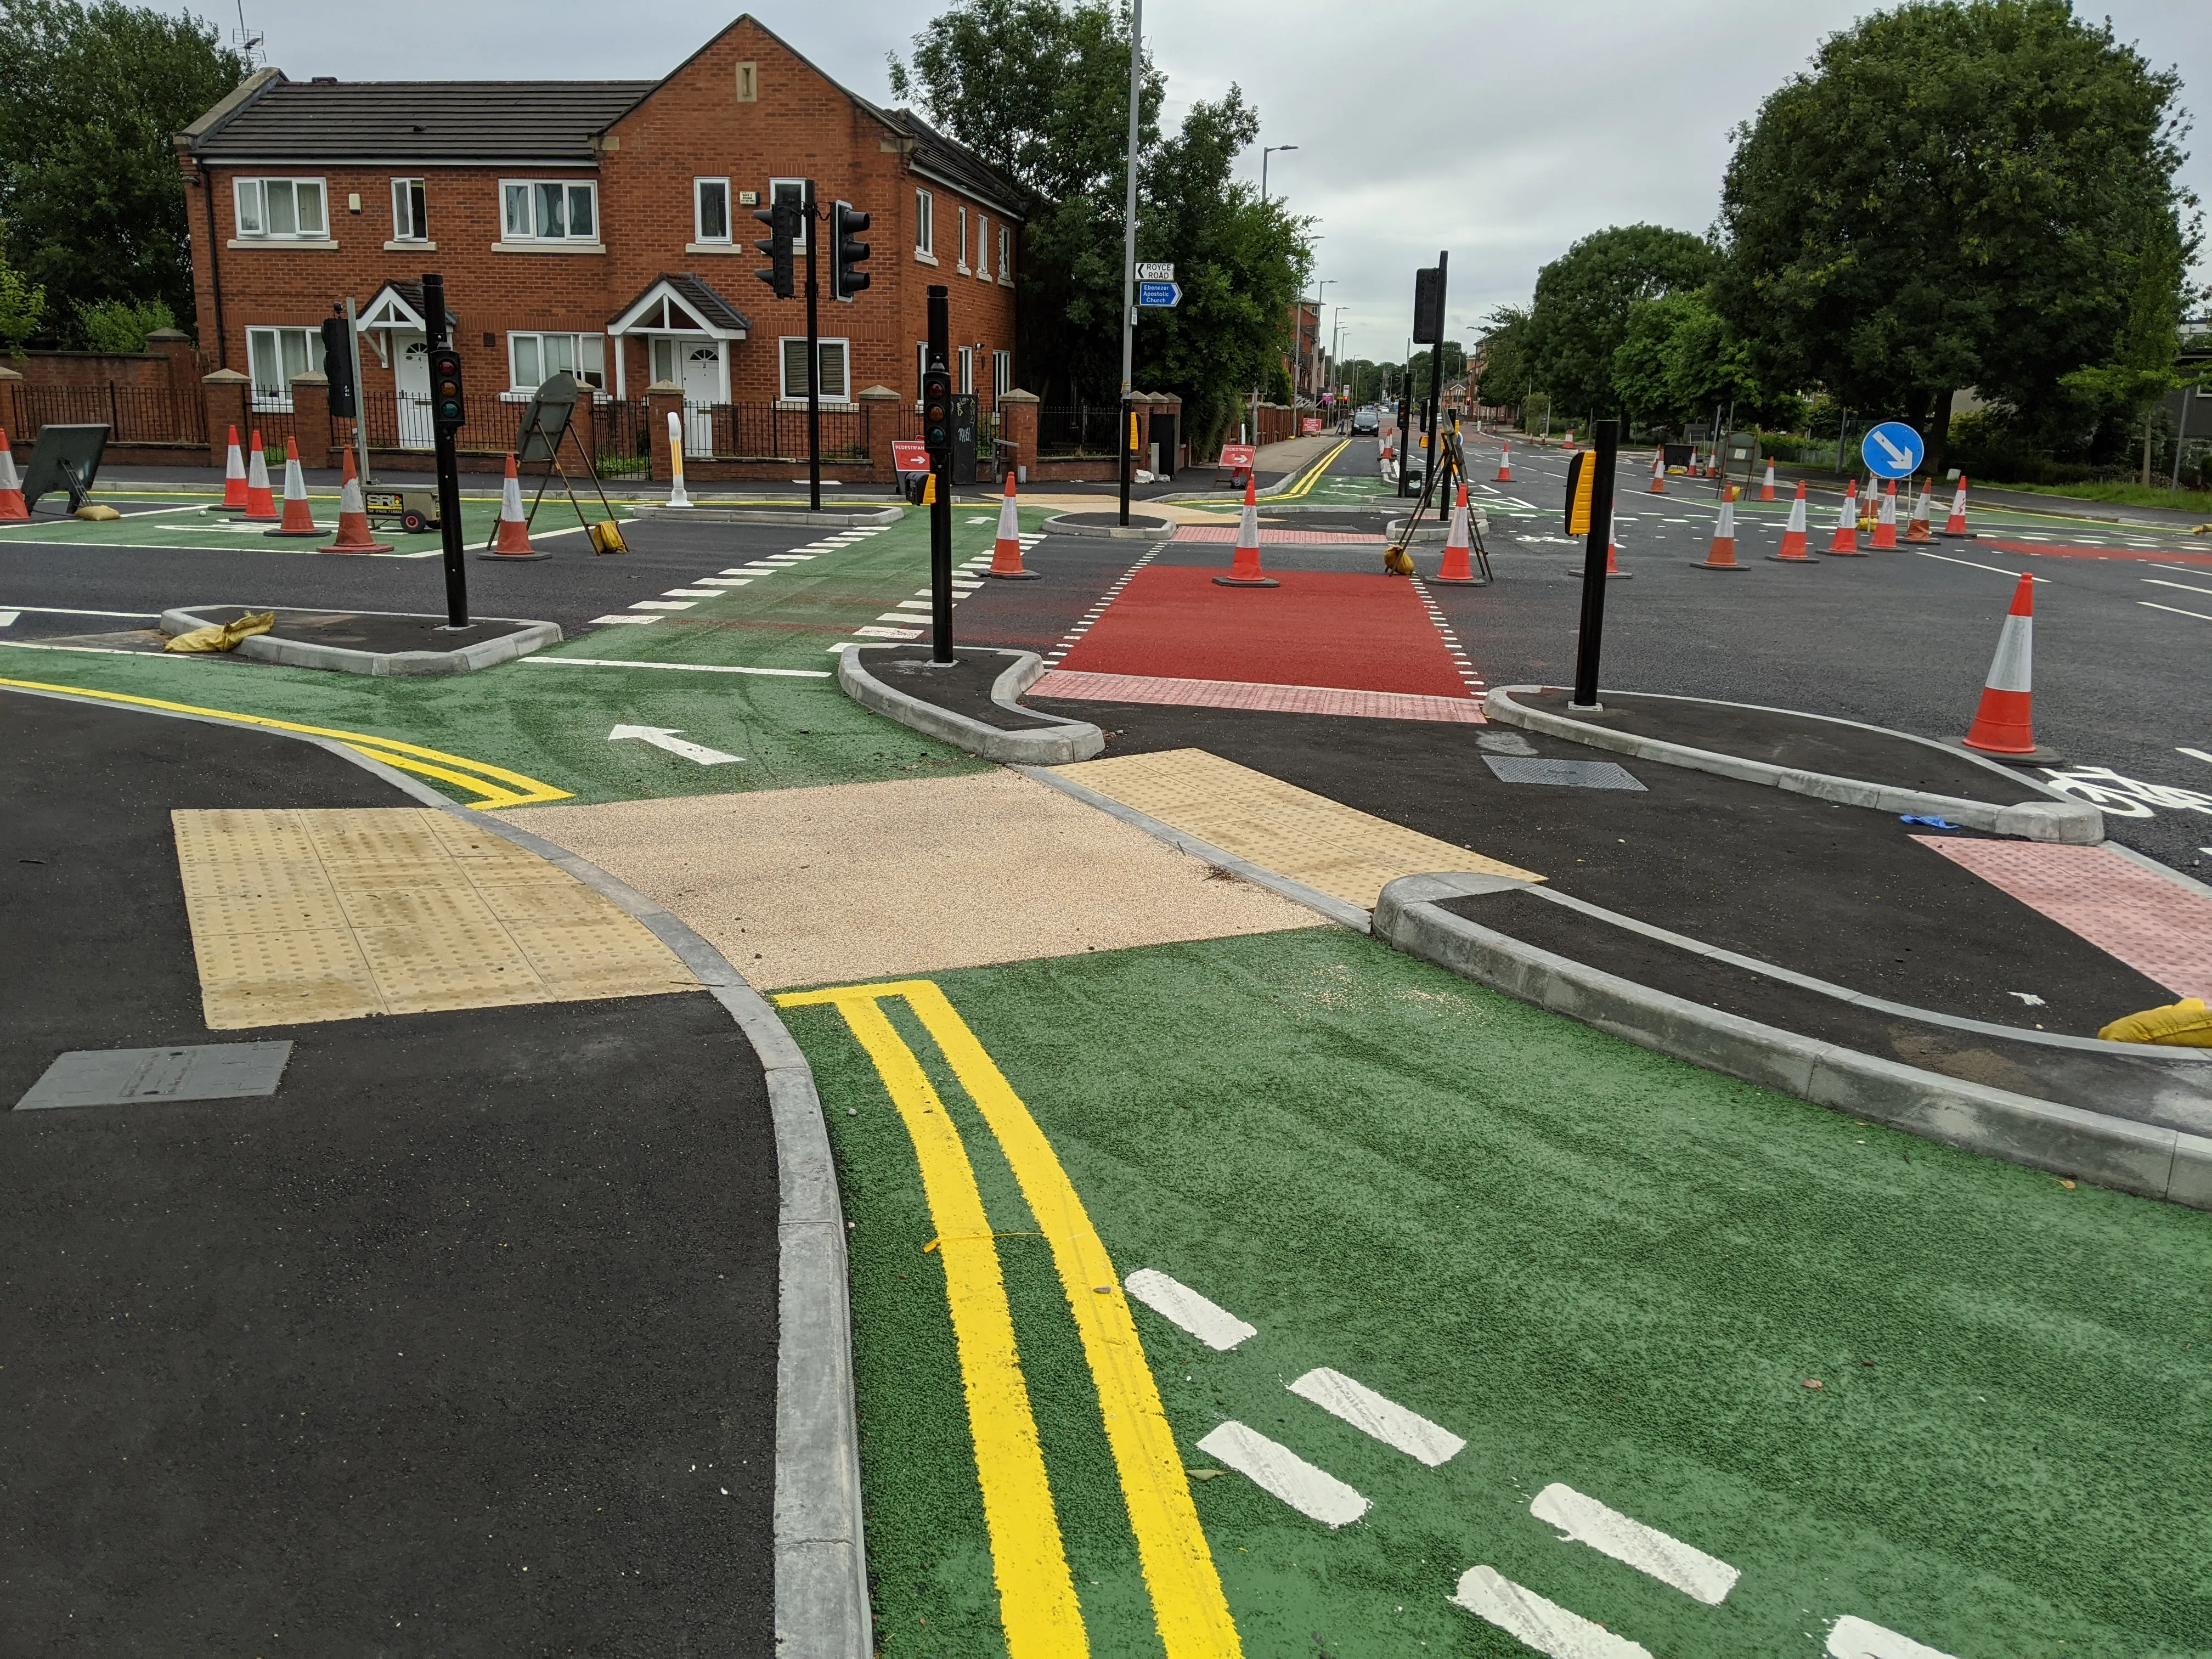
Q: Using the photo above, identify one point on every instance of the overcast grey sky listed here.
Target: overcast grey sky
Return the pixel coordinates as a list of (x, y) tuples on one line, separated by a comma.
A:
[(1500, 132)]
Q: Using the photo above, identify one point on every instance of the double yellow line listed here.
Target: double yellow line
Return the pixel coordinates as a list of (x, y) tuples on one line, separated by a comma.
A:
[(1304, 486), (492, 785), (1037, 1604)]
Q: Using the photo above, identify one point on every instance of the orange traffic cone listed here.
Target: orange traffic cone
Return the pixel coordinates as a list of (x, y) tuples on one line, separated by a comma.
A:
[(1885, 524), (1722, 556), (1457, 570), (1793, 537), (260, 504), (1845, 541), (2004, 723), (1244, 570), (299, 518), (1955, 529), (1922, 513), (234, 476), (1006, 555), (1504, 463), (1766, 490), (1612, 570), (1659, 472), (511, 540), (11, 487), (354, 535)]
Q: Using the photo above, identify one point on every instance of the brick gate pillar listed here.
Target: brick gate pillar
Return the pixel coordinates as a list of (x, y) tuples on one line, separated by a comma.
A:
[(880, 404), (311, 418), (662, 399), (1017, 418), (225, 390)]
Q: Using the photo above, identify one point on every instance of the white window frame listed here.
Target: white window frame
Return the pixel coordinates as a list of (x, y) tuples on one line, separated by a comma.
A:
[(1005, 254), (961, 267), (699, 212), (798, 190), (278, 400), (982, 246), (966, 371), (530, 187), (921, 370), (415, 227), (1002, 375), (783, 345), (249, 201), (924, 226), (582, 349)]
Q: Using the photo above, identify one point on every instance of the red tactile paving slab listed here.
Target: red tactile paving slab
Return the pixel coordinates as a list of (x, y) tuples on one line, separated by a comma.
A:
[(1226, 535), (1351, 631), (1277, 699), (2053, 550), (2158, 928)]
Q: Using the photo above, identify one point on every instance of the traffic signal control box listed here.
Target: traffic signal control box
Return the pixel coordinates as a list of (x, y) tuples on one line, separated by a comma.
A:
[(782, 218), (847, 253)]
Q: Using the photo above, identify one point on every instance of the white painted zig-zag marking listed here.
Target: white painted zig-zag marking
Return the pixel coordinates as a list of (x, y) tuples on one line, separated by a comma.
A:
[(1276, 1469), (1704, 1577), (1378, 1417), (1544, 1626)]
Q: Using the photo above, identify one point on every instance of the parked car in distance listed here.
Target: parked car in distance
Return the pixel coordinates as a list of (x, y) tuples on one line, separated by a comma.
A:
[(1366, 420)]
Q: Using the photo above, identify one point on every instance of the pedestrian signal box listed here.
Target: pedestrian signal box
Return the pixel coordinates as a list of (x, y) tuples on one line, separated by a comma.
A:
[(446, 409)]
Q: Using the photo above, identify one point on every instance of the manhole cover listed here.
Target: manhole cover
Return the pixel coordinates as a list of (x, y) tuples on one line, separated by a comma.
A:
[(119, 1077), (1574, 774)]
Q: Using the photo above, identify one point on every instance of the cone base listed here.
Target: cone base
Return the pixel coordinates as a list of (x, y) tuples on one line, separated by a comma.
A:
[(1959, 535), (1456, 582), (1800, 558), (2036, 757), (498, 557), (317, 530), (1246, 581), (15, 518), (1012, 575), (1701, 565), (1845, 553), (355, 547)]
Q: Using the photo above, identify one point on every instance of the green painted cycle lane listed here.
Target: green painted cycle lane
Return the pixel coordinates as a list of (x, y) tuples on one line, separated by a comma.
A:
[(1604, 1270), (163, 522)]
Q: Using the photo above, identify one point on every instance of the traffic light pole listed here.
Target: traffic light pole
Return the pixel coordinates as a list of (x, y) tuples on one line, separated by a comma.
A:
[(813, 365), (449, 469), (1436, 388), (941, 507), (1607, 451)]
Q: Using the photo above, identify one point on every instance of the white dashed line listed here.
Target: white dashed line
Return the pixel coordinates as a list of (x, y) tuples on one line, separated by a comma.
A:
[(597, 622), (1855, 1638), (1278, 1470), (889, 633), (662, 605), (1702, 1578), (1378, 1417), (691, 594), (1175, 1302), (1544, 1626)]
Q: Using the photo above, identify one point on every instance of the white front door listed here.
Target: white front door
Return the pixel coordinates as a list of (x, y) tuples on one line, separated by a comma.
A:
[(410, 371), (695, 364)]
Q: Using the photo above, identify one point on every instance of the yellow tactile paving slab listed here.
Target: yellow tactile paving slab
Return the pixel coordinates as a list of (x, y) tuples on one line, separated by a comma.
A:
[(307, 915), (1328, 846)]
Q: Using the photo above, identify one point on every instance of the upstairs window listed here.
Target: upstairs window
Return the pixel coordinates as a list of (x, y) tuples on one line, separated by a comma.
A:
[(924, 224), (964, 239), (550, 210), (710, 217), (409, 224), (1006, 253), (792, 191), (282, 209)]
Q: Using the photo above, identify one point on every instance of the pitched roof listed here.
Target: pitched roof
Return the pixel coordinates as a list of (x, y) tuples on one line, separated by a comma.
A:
[(951, 162), (294, 121), (707, 305)]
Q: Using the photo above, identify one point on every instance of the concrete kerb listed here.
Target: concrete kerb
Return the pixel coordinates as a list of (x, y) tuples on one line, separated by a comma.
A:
[(527, 636), (2135, 1157), (1055, 744), (821, 1605), (2071, 822), (1149, 529), (706, 512)]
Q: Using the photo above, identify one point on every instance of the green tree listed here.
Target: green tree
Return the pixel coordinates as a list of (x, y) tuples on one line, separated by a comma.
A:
[(1039, 89), (1679, 361), (122, 325), (90, 97), (1502, 351), (23, 308), (1952, 195), (2140, 369), (1579, 319)]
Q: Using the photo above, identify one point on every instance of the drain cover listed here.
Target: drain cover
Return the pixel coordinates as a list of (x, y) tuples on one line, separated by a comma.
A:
[(120, 1077), (1576, 774)]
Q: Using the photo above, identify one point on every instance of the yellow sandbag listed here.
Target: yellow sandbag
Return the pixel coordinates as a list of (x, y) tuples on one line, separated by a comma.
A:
[(225, 637), (99, 512), (2187, 1024)]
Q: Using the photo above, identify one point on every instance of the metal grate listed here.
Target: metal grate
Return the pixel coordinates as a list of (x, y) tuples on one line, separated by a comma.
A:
[(121, 1077), (1574, 773)]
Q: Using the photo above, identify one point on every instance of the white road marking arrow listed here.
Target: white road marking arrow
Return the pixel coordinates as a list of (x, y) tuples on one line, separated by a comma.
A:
[(664, 737)]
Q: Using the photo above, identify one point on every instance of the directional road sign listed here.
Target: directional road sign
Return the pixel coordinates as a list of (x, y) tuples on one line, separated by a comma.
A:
[(1158, 296), (1893, 450), (1155, 273)]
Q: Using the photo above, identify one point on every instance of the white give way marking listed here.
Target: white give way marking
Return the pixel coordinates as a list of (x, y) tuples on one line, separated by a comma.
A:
[(664, 737)]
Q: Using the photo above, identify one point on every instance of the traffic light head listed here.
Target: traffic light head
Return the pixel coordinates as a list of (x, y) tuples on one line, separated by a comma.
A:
[(846, 251), (937, 409), (337, 365), (446, 409), (782, 218)]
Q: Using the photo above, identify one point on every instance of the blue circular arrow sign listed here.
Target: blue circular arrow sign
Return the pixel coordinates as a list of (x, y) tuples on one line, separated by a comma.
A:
[(1893, 450)]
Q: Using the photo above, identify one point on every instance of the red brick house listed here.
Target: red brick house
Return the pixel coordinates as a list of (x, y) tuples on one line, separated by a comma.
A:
[(601, 227)]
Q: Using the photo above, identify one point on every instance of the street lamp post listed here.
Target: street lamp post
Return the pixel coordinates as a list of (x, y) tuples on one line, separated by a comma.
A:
[(1314, 378), (1265, 152), (1129, 252)]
